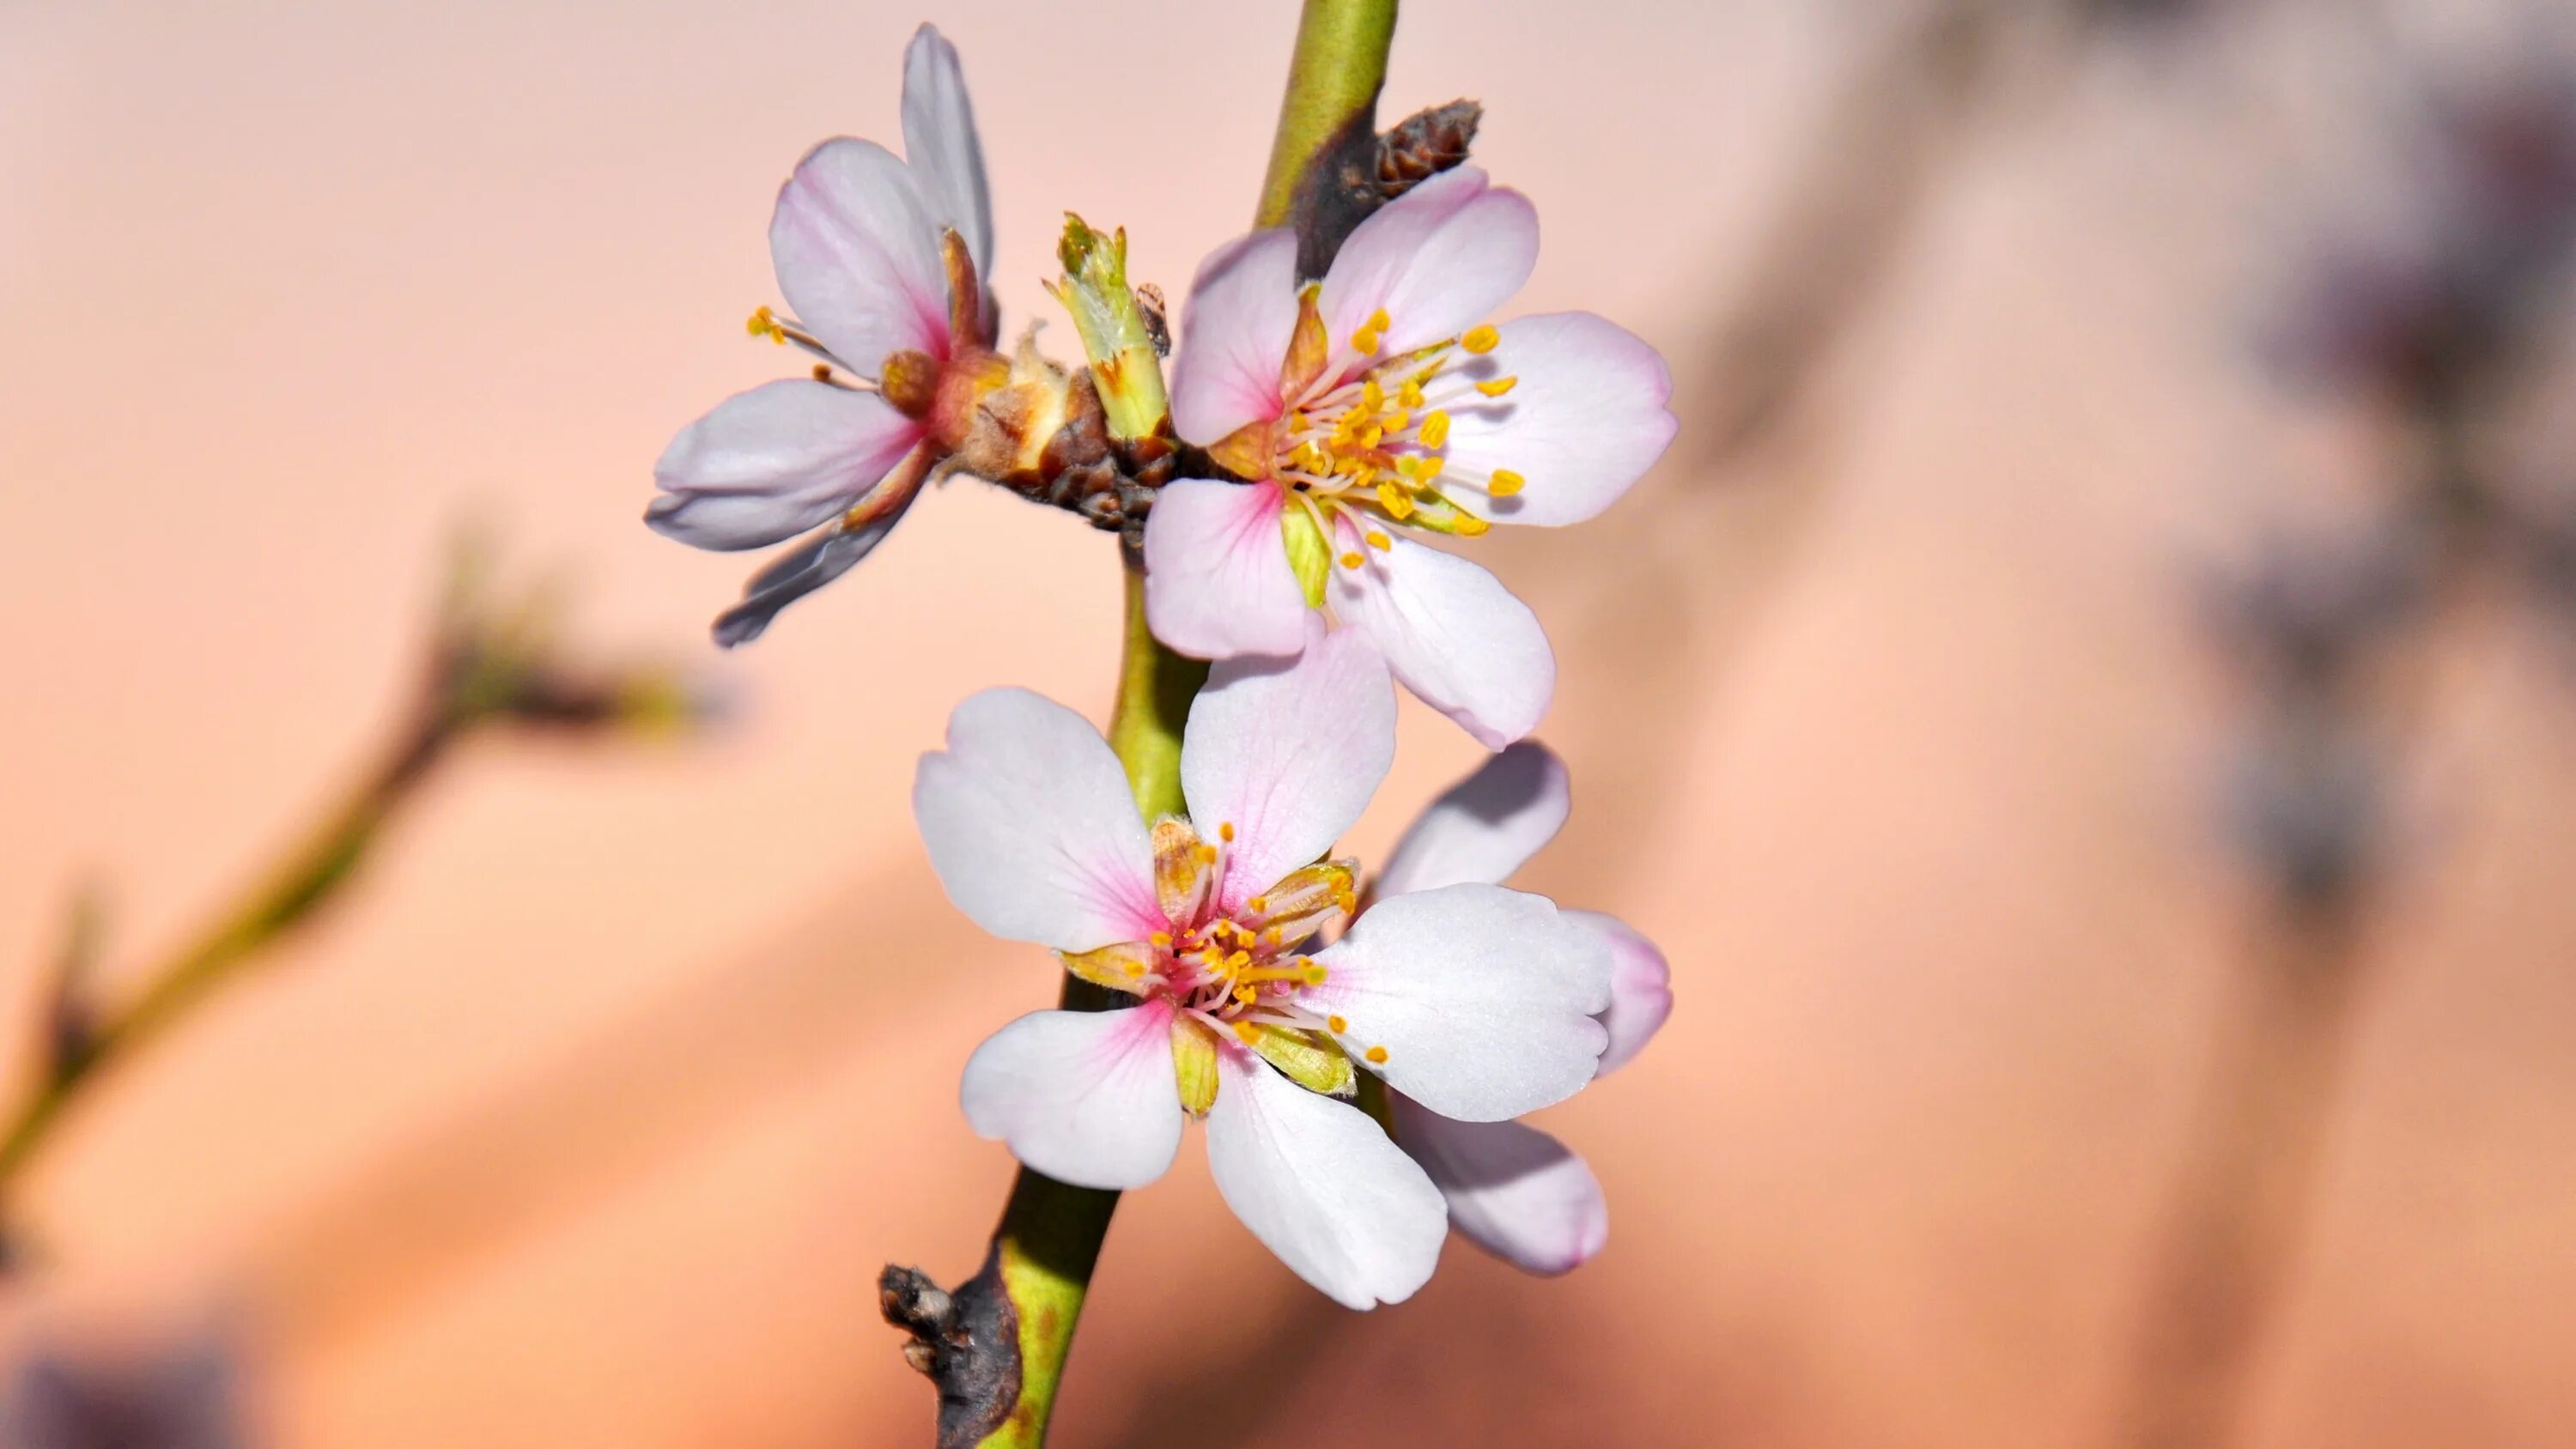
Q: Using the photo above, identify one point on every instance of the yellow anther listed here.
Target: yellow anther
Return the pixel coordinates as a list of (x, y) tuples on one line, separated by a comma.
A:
[(1470, 526), (1370, 437), (1346, 901), (1225, 831), (1207, 854), (1352, 560), (1337, 1025), (1376, 1056), (1497, 386), (1162, 939), (1257, 904), (1246, 1032), (1238, 960), (1274, 936), (1480, 338), (1247, 994), (1435, 430), (1378, 320), (1506, 483), (1378, 541), (1364, 341), (764, 323), (1411, 394), (1315, 974), (1372, 396), (1392, 497)]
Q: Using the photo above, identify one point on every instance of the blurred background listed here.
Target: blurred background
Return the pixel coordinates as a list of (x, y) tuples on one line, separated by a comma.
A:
[(2085, 705)]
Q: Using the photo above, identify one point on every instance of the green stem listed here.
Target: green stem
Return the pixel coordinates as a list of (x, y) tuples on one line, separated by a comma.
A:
[(1049, 1238), (302, 881), (1333, 80)]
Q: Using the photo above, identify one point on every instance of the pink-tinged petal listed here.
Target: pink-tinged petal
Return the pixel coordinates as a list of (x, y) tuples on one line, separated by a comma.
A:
[(1031, 827), (1437, 260), (1217, 580), (1516, 1192), (1487, 825), (1317, 1181), (857, 253), (1482, 997), (1234, 336), (1452, 633), (1583, 423), (770, 463), (825, 555), (939, 142), (1641, 988), (1287, 756), (1085, 1097)]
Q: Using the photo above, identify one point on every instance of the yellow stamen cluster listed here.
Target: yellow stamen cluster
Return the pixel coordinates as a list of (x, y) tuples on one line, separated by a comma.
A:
[(1373, 446), (764, 323)]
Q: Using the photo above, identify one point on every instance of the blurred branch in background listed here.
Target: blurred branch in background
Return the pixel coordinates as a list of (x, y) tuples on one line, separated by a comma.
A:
[(2430, 330), (490, 661)]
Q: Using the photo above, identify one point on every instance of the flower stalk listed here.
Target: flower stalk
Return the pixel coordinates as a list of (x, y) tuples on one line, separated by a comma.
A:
[(997, 1347)]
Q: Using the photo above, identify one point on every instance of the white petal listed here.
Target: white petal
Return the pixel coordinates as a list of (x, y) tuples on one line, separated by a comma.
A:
[(1641, 988), (1483, 998), (1234, 336), (1031, 827), (1452, 633), (1317, 1181), (1086, 1097), (1518, 1193), (770, 463), (1287, 756), (939, 142), (1438, 259), (1217, 581), (857, 253), (1487, 825), (1585, 421)]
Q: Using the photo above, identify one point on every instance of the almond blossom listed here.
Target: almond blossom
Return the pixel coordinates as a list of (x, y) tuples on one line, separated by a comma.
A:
[(1378, 404), (1475, 1001), (883, 263), (1516, 1191)]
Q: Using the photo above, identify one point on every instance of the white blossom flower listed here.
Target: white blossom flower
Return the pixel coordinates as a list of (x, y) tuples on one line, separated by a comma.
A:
[(1475, 1001), (1512, 1189), (883, 262), (1377, 403)]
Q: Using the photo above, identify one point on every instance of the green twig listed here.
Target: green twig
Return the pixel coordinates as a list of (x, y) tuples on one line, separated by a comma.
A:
[(996, 1348)]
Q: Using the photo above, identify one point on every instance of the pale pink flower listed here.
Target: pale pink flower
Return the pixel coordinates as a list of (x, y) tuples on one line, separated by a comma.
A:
[(1476, 1001), (1376, 404), (1514, 1190), (882, 262)]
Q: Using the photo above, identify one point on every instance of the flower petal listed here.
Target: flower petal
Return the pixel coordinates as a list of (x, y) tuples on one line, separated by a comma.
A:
[(1583, 422), (857, 253), (1031, 827), (1086, 1097), (770, 463), (1641, 988), (1217, 580), (1437, 260), (830, 553), (1287, 756), (1317, 1181), (940, 144), (1452, 633), (1234, 336), (1487, 825), (1481, 997), (1518, 1193)]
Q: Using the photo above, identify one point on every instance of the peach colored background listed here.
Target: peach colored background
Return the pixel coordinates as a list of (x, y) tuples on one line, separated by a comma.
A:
[(590, 1117)]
